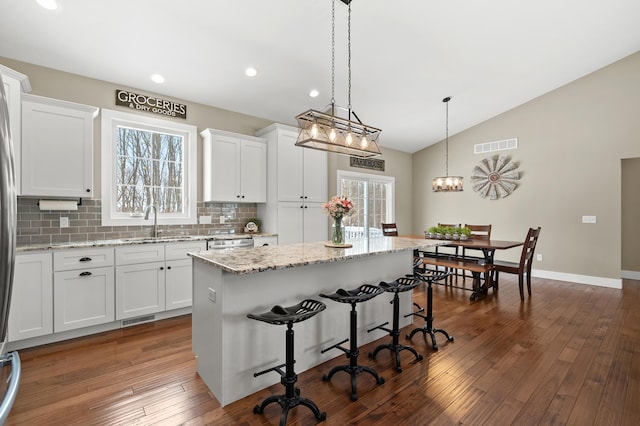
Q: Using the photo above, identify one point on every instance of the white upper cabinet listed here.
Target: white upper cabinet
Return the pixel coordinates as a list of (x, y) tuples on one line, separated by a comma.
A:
[(57, 148), (296, 188), (15, 84), (302, 172), (234, 167)]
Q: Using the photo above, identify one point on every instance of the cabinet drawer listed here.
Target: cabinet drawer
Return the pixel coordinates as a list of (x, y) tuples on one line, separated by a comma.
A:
[(265, 241), (67, 260), (139, 253), (178, 251)]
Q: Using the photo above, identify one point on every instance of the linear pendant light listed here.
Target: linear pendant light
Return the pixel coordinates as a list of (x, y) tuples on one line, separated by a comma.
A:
[(326, 131), (447, 183)]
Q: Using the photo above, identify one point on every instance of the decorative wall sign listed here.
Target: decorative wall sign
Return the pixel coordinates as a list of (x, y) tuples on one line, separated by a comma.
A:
[(150, 104), (367, 163), (495, 177)]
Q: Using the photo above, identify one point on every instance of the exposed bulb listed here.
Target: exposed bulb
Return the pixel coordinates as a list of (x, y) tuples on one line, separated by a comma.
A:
[(332, 135), (349, 139), (364, 142), (314, 131), (440, 182)]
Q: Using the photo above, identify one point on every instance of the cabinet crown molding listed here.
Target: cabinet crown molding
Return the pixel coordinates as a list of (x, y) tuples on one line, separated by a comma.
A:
[(60, 103)]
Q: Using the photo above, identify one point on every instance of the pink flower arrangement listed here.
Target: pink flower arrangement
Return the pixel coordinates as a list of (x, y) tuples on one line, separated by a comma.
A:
[(338, 207)]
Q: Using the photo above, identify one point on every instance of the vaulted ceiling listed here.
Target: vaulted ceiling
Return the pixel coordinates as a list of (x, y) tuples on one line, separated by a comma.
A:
[(407, 55)]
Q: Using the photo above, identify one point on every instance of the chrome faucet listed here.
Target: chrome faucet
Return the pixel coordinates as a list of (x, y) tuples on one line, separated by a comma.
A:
[(147, 210)]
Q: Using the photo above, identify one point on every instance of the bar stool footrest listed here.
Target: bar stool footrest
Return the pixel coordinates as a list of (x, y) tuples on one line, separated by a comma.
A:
[(277, 368), (381, 327), (336, 346)]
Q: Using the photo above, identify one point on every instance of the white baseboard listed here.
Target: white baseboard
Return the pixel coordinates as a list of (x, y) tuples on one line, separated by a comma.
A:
[(578, 279), (631, 275)]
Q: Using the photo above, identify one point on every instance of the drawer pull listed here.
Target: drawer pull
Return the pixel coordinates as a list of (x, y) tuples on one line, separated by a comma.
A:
[(85, 259), (85, 274)]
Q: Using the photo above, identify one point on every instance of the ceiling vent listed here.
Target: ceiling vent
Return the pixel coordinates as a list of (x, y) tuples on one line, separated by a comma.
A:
[(483, 148)]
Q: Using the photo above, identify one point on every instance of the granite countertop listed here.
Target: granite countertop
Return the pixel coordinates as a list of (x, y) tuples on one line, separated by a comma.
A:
[(259, 259), (136, 240)]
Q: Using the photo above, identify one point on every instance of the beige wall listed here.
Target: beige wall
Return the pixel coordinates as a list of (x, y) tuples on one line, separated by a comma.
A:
[(631, 214), (397, 164), (571, 142), (74, 88)]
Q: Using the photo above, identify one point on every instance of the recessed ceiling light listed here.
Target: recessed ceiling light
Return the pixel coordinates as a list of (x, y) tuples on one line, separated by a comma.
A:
[(157, 78), (314, 93), (48, 4), (251, 72)]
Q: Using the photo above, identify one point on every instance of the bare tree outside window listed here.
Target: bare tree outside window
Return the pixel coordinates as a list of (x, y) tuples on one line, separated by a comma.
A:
[(372, 200), (150, 171)]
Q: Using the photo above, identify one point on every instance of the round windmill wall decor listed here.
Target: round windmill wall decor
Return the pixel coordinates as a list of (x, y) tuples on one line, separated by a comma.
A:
[(495, 177)]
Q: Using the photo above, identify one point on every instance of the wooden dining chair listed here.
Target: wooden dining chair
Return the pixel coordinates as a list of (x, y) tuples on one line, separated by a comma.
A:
[(478, 232), (389, 229), (522, 267)]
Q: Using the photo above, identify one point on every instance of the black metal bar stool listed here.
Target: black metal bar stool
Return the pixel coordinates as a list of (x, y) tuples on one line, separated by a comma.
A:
[(279, 315), (361, 294), (395, 287), (428, 276)]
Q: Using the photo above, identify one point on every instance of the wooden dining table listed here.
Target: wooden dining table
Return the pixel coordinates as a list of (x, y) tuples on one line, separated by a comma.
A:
[(488, 248)]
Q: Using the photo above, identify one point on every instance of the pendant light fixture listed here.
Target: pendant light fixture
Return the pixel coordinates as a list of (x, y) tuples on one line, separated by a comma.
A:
[(447, 183), (326, 131)]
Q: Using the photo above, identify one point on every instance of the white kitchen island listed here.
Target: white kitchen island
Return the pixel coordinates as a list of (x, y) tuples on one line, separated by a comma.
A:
[(228, 285)]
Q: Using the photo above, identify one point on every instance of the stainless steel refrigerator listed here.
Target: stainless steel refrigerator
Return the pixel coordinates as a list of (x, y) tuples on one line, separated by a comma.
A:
[(8, 224)]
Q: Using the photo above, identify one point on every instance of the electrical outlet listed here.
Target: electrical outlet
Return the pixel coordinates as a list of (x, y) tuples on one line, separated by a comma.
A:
[(588, 219), (64, 222), (212, 295), (539, 257), (222, 219), (205, 219)]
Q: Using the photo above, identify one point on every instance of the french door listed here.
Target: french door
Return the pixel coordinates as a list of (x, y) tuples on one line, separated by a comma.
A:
[(373, 200)]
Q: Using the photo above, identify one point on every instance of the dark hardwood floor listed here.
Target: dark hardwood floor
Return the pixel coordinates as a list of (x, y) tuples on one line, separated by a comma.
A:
[(568, 355)]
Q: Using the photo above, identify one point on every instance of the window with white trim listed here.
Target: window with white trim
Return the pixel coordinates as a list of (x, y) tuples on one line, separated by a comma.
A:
[(147, 161), (373, 201)]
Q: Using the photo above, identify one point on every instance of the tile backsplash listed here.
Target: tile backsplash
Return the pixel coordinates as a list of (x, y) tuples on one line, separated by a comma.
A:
[(37, 227)]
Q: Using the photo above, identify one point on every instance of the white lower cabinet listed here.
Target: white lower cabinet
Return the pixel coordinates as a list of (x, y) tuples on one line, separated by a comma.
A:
[(83, 288), (140, 289), (178, 284), (140, 280), (31, 309), (153, 278), (83, 298), (179, 273), (56, 291)]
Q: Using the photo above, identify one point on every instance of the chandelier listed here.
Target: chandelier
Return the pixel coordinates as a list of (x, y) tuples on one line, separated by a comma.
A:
[(447, 183), (327, 131)]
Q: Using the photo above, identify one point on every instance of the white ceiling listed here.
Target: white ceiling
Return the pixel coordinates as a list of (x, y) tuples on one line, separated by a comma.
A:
[(407, 55)]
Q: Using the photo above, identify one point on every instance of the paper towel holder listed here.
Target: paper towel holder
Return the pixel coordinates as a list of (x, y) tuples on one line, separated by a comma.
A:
[(78, 203)]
